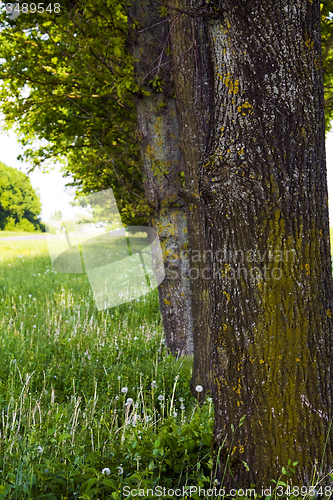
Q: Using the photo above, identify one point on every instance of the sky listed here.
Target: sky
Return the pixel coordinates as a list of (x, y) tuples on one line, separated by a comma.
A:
[(55, 196)]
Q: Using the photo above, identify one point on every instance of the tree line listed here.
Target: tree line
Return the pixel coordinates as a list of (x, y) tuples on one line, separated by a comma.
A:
[(20, 205)]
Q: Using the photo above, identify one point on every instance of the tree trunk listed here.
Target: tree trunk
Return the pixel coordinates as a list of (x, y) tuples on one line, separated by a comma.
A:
[(191, 74), (257, 204), (162, 163), (262, 205), (264, 192)]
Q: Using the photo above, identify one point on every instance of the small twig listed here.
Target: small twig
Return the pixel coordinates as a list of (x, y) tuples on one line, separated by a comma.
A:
[(187, 12), (172, 59), (164, 21), (166, 41)]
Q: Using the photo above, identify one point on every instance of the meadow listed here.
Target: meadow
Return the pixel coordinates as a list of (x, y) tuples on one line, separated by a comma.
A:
[(91, 402)]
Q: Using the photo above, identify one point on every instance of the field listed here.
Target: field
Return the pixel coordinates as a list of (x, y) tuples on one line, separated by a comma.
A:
[(90, 401), (8, 234)]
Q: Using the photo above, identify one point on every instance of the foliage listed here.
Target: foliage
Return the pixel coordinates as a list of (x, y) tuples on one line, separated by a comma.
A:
[(64, 83), (327, 58), (19, 204)]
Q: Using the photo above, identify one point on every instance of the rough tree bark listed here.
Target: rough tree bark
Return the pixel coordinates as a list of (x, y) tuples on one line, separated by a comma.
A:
[(162, 163), (192, 79), (162, 121), (265, 191), (263, 213)]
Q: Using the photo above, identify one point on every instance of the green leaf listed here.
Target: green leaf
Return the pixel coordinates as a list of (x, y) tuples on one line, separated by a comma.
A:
[(63, 436), (245, 465), (117, 51)]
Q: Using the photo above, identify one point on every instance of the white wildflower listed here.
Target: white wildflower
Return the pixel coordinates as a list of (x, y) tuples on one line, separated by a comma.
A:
[(124, 390), (160, 397), (39, 449), (199, 388), (106, 471)]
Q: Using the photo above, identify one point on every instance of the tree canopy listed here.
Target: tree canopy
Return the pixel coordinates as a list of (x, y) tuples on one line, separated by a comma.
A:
[(19, 204), (73, 88), (71, 84)]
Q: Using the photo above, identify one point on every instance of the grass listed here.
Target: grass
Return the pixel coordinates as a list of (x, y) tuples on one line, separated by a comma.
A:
[(91, 402), (82, 390), (7, 234)]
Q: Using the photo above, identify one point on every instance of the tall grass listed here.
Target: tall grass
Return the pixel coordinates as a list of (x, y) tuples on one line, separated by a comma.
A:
[(82, 390)]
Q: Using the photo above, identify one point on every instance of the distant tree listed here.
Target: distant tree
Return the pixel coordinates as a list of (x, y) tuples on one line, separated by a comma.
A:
[(56, 215), (19, 204)]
